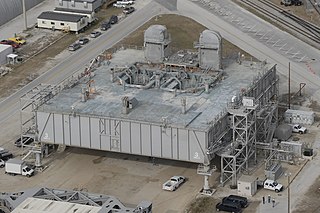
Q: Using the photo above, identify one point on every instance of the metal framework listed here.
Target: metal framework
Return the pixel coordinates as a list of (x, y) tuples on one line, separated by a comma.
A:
[(10, 201), (242, 148)]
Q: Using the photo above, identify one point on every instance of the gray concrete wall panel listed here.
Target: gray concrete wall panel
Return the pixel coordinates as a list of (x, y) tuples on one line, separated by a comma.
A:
[(136, 139), (166, 142), (95, 133), (174, 139), (195, 147), (46, 133), (145, 139), (9, 9), (58, 129), (75, 131), (122, 136), (156, 141), (105, 142), (85, 132), (66, 128), (183, 145), (126, 141)]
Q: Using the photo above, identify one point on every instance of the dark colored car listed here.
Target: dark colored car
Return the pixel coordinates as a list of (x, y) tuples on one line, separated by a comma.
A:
[(74, 46), (128, 10), (5, 155), (243, 201), (105, 26), (113, 19), (83, 41), (12, 43), (25, 140), (229, 207)]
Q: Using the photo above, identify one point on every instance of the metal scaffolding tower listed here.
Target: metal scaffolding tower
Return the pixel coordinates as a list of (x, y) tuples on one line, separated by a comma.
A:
[(236, 156), (29, 103)]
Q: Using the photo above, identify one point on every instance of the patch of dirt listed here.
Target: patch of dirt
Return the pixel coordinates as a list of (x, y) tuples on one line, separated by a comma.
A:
[(184, 32), (311, 16), (315, 106)]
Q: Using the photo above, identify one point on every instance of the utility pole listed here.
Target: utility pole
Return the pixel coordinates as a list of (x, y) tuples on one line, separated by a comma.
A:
[(289, 95), (288, 176), (24, 14)]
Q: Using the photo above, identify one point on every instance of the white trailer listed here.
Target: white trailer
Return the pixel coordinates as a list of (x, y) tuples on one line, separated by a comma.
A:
[(16, 166)]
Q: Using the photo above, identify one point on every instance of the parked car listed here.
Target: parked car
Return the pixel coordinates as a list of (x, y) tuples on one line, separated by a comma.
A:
[(74, 46), (105, 26), (2, 163), (272, 185), (243, 201), (126, 2), (95, 34), (5, 155), (173, 183), (18, 40), (12, 43), (83, 41), (119, 5), (128, 10), (113, 19), (25, 140), (297, 128), (229, 207)]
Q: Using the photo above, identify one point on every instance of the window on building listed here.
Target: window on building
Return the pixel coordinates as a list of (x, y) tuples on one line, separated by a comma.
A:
[(62, 24), (52, 23), (72, 3), (60, 2), (85, 4)]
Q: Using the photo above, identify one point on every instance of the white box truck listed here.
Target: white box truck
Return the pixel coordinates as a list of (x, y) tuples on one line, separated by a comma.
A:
[(17, 166)]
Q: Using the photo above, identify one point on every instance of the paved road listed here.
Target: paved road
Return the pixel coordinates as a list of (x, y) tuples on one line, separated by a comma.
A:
[(299, 73), (81, 58)]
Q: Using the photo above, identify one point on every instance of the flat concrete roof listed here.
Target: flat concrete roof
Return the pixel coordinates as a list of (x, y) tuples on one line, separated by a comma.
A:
[(154, 105)]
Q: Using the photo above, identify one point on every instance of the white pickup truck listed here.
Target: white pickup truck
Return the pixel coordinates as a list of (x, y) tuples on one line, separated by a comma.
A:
[(173, 183), (297, 128), (272, 185)]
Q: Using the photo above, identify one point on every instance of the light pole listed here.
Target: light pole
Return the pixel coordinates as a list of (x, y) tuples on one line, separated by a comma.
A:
[(24, 14), (288, 176)]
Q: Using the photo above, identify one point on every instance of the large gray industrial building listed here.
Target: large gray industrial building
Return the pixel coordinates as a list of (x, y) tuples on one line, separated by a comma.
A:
[(180, 106)]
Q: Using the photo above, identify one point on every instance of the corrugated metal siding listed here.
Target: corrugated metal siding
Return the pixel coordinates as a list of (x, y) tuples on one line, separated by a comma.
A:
[(122, 136), (9, 9)]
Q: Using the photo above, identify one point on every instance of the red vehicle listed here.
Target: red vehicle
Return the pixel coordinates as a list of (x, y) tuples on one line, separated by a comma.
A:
[(12, 43)]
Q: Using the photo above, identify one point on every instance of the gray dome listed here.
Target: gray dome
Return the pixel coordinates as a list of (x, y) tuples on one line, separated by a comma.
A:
[(210, 38), (156, 33)]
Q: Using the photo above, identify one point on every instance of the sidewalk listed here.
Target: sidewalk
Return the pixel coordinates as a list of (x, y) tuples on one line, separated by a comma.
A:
[(16, 25)]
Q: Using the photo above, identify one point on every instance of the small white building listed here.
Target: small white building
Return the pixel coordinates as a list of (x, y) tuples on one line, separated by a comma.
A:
[(87, 5), (90, 14), (299, 117), (61, 21), (4, 51), (247, 185)]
